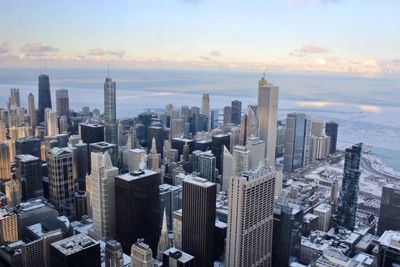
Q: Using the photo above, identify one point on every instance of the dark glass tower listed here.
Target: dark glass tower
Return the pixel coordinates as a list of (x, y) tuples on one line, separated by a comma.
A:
[(198, 220), (288, 224), (110, 113), (44, 96), (347, 206), (331, 129), (389, 215), (294, 141), (236, 111), (137, 208), (28, 145), (218, 143), (29, 173)]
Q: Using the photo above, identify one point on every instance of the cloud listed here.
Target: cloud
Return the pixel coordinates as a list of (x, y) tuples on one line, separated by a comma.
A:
[(36, 50), (310, 49), (4, 48), (205, 58), (117, 53), (215, 53), (97, 52)]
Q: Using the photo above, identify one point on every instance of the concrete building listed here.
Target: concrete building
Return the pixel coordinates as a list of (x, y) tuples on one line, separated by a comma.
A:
[(241, 159), (250, 219), (113, 254), (227, 168), (389, 249), (268, 117), (324, 212), (256, 146), (141, 255), (389, 215), (101, 195), (8, 226), (62, 102), (177, 258)]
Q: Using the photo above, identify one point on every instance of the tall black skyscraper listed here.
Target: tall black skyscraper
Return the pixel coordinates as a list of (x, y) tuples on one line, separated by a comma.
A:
[(91, 133), (44, 96), (236, 111), (137, 208), (288, 224), (347, 206), (110, 112), (331, 129), (198, 220), (28, 145), (389, 215), (29, 173), (218, 143)]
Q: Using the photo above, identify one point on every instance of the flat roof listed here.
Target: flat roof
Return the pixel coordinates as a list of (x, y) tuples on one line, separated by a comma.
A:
[(136, 175), (391, 239), (74, 244), (200, 182), (26, 157)]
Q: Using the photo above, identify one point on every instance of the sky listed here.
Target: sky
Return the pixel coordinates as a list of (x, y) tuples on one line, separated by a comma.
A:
[(359, 37)]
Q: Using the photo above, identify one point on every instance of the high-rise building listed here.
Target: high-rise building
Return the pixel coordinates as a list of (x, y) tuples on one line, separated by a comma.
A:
[(102, 196), (288, 224), (198, 220), (62, 102), (268, 117), (8, 226), (324, 212), (154, 157), (389, 215), (138, 208), (29, 173), (294, 141), (347, 205), (113, 254), (250, 219), (331, 129), (317, 127), (177, 128), (141, 255), (102, 147), (256, 146), (77, 250), (236, 111), (28, 145), (163, 242), (14, 98), (235, 138), (307, 141), (12, 188), (214, 119), (51, 119), (206, 166), (227, 115), (241, 158), (61, 182), (44, 96), (91, 133), (32, 110), (5, 168), (79, 163), (227, 168), (177, 225), (205, 105), (110, 113), (218, 143), (389, 249)]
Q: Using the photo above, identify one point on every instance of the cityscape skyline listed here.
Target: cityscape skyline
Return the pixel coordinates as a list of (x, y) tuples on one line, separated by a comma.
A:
[(313, 36)]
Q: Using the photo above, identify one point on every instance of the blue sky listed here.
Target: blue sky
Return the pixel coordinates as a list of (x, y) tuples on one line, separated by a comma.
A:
[(345, 36)]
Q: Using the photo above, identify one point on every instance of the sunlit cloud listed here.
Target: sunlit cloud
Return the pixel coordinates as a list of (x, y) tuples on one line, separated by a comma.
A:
[(97, 52), (310, 49), (127, 97), (117, 53), (317, 104), (215, 53), (369, 108), (35, 50), (161, 94)]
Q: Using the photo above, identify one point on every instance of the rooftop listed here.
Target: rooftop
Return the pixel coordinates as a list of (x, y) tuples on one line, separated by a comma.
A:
[(26, 157), (179, 255), (74, 244), (200, 182), (136, 175), (323, 208), (390, 239)]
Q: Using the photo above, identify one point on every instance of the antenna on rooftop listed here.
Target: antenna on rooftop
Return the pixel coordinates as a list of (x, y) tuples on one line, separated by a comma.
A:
[(108, 69), (266, 68)]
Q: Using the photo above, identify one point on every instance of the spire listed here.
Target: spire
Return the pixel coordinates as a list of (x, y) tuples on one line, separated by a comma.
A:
[(163, 243), (153, 149)]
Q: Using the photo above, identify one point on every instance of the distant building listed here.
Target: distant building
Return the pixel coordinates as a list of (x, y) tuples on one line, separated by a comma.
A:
[(77, 250), (389, 215), (227, 115), (347, 205), (44, 96), (8, 226), (294, 141), (268, 117), (324, 212), (62, 102), (28, 145), (110, 112), (331, 129), (91, 133), (236, 111), (5, 169)]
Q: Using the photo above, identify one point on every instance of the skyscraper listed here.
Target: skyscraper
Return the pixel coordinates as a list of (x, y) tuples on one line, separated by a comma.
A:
[(163, 242), (227, 168), (331, 129), (28, 145), (44, 96), (347, 205), (236, 111), (8, 226), (5, 169), (110, 113), (198, 220), (14, 98), (241, 158), (62, 102), (250, 219), (32, 110), (102, 196), (294, 141), (51, 119), (389, 249), (141, 255), (205, 105), (154, 157), (218, 143), (288, 224), (137, 209), (389, 215), (61, 183), (29, 173), (268, 117), (227, 114)]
